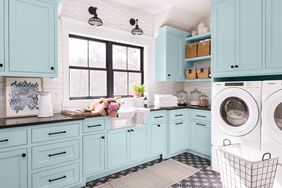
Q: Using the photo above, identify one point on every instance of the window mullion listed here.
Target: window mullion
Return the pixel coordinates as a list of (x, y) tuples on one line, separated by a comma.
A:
[(109, 62)]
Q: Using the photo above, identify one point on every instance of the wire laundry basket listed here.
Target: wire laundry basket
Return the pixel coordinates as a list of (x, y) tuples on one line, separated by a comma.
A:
[(244, 167)]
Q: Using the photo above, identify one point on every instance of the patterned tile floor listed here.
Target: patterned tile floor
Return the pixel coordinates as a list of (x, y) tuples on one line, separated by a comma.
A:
[(205, 178)]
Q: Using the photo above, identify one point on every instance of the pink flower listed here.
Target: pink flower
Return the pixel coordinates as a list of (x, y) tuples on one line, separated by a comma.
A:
[(102, 111), (105, 103), (112, 113)]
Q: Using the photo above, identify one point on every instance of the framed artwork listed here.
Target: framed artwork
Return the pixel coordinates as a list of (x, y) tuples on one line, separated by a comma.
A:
[(21, 96)]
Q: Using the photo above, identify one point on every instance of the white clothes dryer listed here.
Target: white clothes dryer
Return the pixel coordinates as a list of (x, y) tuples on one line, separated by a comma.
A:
[(236, 108)]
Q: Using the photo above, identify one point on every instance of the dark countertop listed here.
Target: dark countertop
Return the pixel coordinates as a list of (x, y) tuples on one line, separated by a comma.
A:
[(27, 121), (153, 108)]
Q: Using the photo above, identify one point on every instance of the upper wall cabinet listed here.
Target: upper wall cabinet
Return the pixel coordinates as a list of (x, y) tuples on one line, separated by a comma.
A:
[(170, 54), (2, 33), (237, 37), (32, 38)]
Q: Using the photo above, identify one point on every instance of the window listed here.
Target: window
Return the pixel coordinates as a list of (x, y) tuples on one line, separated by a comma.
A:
[(101, 68)]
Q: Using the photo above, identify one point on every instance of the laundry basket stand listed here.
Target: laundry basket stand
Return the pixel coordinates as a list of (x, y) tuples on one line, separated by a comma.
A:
[(238, 172)]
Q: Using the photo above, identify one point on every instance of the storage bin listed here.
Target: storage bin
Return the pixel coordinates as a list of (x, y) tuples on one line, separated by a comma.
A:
[(191, 50), (204, 48), (203, 73), (190, 74)]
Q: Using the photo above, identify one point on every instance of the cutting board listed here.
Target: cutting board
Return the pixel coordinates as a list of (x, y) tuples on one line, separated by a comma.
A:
[(73, 113)]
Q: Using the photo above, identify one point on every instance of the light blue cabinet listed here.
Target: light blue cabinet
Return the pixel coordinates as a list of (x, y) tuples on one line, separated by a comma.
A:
[(158, 138), (118, 149), (237, 37), (2, 34), (93, 154), (178, 136), (138, 143), (13, 171), (170, 54)]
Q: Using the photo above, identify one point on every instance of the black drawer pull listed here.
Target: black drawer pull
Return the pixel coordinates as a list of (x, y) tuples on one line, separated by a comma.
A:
[(201, 124), (91, 126), (158, 117), (201, 116), (178, 123), (55, 133), (159, 125), (56, 154), (56, 179), (5, 140), (178, 115)]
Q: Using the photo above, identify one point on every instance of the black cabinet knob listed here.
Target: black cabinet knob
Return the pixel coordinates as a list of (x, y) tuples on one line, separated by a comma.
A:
[(128, 130), (236, 66), (103, 137), (168, 75), (232, 67), (23, 155), (1, 65), (159, 125), (132, 130), (52, 68)]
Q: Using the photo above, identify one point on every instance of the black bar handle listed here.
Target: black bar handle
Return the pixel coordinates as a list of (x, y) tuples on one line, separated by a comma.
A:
[(178, 115), (178, 123), (228, 142), (56, 154), (158, 117), (56, 179), (266, 154), (55, 133), (200, 124), (91, 126), (201, 116), (5, 140)]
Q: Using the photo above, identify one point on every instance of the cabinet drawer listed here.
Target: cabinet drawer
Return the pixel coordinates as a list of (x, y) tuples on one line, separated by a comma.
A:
[(158, 116), (93, 125), (55, 132), (201, 115), (177, 114), (52, 154), (59, 177), (15, 138)]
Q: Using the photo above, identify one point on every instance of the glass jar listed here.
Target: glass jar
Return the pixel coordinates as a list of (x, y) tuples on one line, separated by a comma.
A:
[(204, 100), (195, 97), (181, 98)]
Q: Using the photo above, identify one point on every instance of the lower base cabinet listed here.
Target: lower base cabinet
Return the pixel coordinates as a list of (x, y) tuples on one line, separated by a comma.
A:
[(13, 171), (201, 137), (178, 136), (93, 154), (158, 138), (138, 144)]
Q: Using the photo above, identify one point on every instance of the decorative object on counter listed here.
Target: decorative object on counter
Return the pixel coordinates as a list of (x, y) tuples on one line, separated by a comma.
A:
[(165, 100), (136, 30), (106, 107), (45, 105), (204, 100), (203, 73), (204, 48), (80, 113), (181, 97), (95, 20), (138, 90), (21, 96), (195, 97), (145, 102), (191, 74), (191, 50)]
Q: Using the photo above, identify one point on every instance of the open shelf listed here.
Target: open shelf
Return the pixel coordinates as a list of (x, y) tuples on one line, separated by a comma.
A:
[(195, 59), (199, 80), (198, 37)]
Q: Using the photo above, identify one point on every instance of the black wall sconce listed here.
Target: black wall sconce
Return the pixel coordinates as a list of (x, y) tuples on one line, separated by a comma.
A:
[(136, 30), (95, 20)]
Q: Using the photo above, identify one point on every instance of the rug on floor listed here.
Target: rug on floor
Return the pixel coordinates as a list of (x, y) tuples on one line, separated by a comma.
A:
[(163, 174)]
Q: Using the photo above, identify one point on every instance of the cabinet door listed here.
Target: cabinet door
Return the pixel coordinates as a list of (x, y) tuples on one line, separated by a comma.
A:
[(93, 154), (138, 143), (158, 139), (273, 35), (33, 29), (201, 137), (2, 32), (175, 58), (223, 37), (13, 169), (118, 145), (178, 136), (250, 34)]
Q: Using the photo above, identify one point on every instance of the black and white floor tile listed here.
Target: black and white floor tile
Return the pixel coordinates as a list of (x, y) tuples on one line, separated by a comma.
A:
[(205, 178)]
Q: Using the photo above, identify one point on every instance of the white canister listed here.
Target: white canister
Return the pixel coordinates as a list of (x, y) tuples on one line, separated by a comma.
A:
[(45, 105)]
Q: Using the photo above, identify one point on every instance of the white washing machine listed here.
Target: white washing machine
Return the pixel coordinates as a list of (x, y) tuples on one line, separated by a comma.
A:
[(271, 136), (236, 108)]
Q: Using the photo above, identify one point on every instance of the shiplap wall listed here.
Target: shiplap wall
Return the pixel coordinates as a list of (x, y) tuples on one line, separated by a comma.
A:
[(114, 16)]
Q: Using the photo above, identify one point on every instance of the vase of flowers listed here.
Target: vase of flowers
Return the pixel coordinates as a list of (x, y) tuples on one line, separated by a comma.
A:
[(106, 107), (137, 90)]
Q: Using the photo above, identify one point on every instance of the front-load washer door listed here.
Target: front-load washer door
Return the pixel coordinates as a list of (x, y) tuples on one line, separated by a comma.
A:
[(272, 115), (236, 111)]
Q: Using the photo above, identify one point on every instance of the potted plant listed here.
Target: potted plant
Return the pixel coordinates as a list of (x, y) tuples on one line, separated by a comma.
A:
[(137, 89)]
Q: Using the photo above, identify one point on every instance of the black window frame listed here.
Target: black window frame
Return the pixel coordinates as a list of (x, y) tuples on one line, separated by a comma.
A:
[(109, 67)]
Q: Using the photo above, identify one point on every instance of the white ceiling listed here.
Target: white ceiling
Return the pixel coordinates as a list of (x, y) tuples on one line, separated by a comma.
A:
[(184, 14)]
